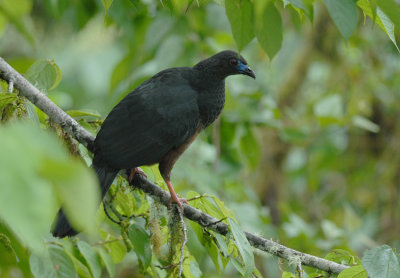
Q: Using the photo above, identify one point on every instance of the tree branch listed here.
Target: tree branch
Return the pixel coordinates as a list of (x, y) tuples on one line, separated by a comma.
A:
[(57, 115)]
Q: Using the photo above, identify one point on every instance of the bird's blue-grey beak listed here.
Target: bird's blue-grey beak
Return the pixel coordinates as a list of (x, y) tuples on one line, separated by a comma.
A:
[(246, 70)]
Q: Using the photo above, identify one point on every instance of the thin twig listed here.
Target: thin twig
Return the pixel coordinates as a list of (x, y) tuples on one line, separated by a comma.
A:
[(185, 239), (154, 191), (300, 270), (10, 86)]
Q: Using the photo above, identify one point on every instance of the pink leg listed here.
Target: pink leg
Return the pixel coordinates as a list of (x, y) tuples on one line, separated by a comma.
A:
[(174, 197), (135, 171)]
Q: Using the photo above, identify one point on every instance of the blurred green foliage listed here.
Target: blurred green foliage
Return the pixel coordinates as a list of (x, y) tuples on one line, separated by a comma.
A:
[(308, 154)]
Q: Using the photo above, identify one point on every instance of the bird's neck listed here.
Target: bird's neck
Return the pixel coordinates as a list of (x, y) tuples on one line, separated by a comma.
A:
[(211, 95)]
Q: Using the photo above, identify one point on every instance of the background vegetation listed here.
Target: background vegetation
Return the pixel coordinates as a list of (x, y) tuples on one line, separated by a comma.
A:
[(307, 154)]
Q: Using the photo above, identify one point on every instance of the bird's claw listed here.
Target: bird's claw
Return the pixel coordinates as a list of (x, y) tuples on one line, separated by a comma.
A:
[(135, 171), (178, 201)]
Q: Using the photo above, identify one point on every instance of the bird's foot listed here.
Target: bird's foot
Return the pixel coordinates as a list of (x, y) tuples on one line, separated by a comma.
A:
[(174, 197), (178, 201), (135, 171)]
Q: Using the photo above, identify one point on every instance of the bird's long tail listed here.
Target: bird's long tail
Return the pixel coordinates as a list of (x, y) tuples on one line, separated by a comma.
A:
[(106, 176)]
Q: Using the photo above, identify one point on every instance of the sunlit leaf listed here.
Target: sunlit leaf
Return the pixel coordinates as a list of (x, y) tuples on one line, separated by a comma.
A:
[(353, 272), (7, 99)]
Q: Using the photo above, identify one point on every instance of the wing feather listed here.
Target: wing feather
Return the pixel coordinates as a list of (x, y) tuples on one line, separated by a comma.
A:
[(156, 117)]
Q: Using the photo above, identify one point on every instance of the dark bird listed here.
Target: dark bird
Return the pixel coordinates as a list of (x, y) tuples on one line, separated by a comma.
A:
[(158, 120)]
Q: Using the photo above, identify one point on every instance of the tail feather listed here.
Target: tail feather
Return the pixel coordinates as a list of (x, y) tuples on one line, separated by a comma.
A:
[(106, 176)]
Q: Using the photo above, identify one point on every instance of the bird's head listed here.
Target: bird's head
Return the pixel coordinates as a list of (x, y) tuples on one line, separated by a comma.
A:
[(227, 63)]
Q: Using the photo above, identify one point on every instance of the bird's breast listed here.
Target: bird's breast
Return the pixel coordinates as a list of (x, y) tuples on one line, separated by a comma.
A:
[(211, 103)]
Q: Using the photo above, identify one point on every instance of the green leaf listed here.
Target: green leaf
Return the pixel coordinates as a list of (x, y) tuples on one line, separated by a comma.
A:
[(389, 27), (7, 98), (27, 201), (41, 266), (44, 74), (141, 244), (244, 247), (381, 262), (382, 20), (117, 248), (107, 261), (392, 10), (344, 14), (107, 4), (343, 257), (91, 257), (353, 272), (207, 241), (304, 5), (81, 114), (61, 262), (240, 16), (76, 185), (268, 29)]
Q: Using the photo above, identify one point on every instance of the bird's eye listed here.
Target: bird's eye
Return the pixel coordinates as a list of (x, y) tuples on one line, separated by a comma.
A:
[(234, 62)]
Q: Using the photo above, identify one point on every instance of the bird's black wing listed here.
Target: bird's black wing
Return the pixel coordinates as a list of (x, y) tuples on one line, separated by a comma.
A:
[(159, 115)]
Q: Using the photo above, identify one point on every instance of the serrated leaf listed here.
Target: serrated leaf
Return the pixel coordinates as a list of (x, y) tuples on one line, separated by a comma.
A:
[(381, 262), (344, 15), (91, 257), (44, 74), (141, 244), (268, 29), (245, 249), (240, 16), (7, 98), (353, 272), (107, 261), (61, 262)]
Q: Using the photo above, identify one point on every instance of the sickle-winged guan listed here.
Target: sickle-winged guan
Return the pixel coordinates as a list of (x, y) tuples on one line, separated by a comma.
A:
[(157, 121)]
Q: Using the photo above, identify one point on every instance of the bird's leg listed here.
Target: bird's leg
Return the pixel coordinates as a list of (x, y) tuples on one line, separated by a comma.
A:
[(135, 171), (174, 197)]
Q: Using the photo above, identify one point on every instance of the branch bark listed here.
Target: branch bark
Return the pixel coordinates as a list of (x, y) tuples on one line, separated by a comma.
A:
[(85, 138)]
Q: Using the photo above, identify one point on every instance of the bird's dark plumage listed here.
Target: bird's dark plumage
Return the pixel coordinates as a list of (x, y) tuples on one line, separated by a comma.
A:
[(158, 120)]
